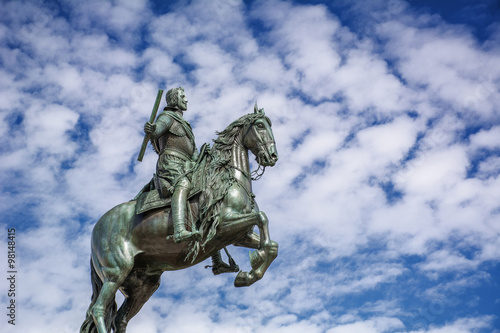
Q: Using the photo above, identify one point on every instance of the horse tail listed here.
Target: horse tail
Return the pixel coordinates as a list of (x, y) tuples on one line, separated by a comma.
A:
[(88, 325)]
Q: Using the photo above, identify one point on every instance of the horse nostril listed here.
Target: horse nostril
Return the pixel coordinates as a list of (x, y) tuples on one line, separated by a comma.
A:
[(274, 156)]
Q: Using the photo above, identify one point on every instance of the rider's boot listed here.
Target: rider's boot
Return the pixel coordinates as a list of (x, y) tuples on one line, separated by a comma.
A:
[(219, 266), (179, 199)]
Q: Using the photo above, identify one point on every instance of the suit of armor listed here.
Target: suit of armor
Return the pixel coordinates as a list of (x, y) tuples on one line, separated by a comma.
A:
[(173, 140), (176, 148)]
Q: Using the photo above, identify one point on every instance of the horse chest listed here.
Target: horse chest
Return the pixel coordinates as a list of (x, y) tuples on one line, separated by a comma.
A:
[(237, 201)]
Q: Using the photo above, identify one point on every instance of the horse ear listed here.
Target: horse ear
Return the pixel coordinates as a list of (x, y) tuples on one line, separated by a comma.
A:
[(257, 110)]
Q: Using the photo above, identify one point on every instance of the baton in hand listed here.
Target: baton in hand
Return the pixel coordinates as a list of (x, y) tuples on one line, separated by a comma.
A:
[(151, 120)]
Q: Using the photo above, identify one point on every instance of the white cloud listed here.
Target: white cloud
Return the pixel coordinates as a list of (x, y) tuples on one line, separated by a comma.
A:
[(487, 138), (490, 167), (447, 64), (303, 37), (380, 324), (444, 260), (388, 143), (437, 172), (366, 83), (461, 326)]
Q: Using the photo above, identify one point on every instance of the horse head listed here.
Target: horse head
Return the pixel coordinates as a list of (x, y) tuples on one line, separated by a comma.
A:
[(259, 138)]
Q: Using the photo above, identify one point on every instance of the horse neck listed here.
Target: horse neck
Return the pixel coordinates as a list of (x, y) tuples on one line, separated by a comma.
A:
[(240, 163)]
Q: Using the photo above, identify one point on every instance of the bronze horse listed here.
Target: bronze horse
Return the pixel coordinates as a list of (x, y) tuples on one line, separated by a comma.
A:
[(130, 251)]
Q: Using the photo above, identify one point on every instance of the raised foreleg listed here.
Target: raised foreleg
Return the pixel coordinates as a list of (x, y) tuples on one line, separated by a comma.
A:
[(266, 251), (252, 240), (270, 249)]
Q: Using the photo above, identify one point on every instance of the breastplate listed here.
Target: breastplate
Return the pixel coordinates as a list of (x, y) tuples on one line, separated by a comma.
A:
[(176, 139)]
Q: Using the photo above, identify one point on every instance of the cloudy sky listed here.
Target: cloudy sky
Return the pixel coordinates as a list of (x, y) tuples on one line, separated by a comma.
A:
[(385, 200)]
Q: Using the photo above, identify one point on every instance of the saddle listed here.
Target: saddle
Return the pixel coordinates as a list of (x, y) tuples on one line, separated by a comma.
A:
[(152, 197), (149, 198)]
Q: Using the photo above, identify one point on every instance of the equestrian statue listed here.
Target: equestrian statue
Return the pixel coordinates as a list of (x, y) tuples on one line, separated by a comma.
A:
[(196, 204)]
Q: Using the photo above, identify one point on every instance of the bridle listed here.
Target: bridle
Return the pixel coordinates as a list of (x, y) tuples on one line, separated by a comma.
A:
[(261, 150)]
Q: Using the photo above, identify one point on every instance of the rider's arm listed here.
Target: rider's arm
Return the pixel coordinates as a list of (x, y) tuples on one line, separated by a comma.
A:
[(159, 128)]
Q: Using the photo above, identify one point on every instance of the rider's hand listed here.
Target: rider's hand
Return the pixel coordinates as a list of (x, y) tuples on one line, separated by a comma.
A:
[(149, 127)]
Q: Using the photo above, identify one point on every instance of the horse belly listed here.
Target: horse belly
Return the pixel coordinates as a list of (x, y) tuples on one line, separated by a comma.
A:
[(151, 233)]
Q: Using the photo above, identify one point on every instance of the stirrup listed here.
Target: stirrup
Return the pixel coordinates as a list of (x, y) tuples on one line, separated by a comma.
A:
[(219, 266), (222, 267)]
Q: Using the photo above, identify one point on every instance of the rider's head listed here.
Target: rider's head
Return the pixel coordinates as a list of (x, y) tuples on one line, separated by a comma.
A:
[(176, 98)]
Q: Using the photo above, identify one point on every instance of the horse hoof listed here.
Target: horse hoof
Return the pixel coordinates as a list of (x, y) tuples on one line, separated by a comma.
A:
[(243, 279)]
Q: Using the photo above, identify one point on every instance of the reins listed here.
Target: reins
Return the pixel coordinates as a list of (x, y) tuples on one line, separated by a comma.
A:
[(255, 175)]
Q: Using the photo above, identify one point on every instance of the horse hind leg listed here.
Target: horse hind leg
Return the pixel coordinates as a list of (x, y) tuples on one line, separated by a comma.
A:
[(115, 272), (88, 325), (139, 288)]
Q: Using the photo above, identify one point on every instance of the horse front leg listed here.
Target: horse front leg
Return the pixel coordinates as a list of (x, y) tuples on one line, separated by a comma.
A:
[(260, 259), (257, 257)]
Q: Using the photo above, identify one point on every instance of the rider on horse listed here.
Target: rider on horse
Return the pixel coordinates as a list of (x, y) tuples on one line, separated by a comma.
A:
[(173, 139)]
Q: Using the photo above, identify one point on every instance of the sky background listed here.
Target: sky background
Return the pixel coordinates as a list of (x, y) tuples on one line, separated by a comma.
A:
[(385, 200)]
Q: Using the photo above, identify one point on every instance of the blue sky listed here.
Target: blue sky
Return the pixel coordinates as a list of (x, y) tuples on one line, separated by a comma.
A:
[(385, 200)]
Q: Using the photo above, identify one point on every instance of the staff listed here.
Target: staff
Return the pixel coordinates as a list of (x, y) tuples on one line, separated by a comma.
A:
[(152, 119)]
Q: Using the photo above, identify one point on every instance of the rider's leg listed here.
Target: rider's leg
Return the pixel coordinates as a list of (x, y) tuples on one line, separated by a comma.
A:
[(179, 200), (219, 266)]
